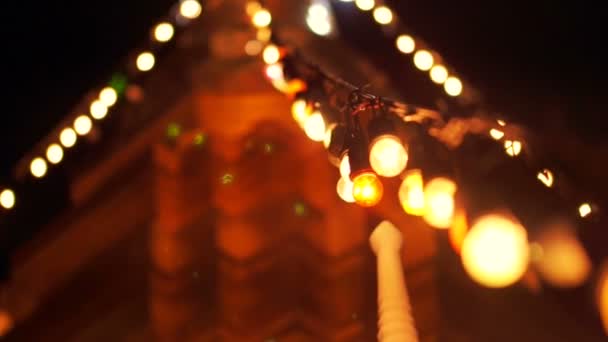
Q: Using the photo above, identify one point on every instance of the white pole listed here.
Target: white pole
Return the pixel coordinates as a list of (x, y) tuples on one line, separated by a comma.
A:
[(395, 321)]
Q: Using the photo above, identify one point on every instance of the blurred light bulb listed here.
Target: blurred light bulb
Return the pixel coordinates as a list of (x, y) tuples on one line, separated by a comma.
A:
[(453, 86), (54, 154), (365, 5), (263, 34), (383, 15), (275, 72), (314, 126), (190, 9), (423, 60), (439, 202), (253, 47), (496, 134), (387, 156), (67, 137), (439, 74), (406, 44), (318, 10), (345, 190), (513, 148), (501, 122), (602, 296), (345, 167), (458, 230), (163, 32), (7, 199), (495, 252), (98, 110), (108, 96), (367, 189), (411, 193), (261, 18), (145, 61), (328, 133), (300, 110), (251, 7), (319, 26), (82, 125), (584, 210), (38, 167), (546, 177), (271, 54)]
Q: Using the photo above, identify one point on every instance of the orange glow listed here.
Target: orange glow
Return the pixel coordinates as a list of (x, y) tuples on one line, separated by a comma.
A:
[(387, 156), (439, 74), (275, 72), (54, 154), (7, 199), (300, 110), (83, 125), (453, 86), (546, 177), (411, 193), (261, 18), (328, 133), (495, 252), (383, 15), (602, 296), (367, 189), (345, 167), (345, 190), (423, 60), (6, 323), (513, 148), (459, 229), (271, 54), (405, 43), (439, 202), (264, 34), (251, 7), (145, 61), (108, 96), (314, 126), (190, 9), (294, 87), (163, 32), (496, 134), (68, 137), (38, 167), (253, 47)]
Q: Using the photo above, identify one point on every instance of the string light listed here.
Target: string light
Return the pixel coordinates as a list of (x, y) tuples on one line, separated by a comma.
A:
[(365, 5), (584, 210), (163, 32), (263, 34), (251, 7), (108, 96), (367, 189), (453, 86), (411, 193), (261, 18), (495, 251), (319, 20), (546, 177), (98, 110), (439, 74), (513, 148), (38, 167), (423, 60), (345, 166), (328, 133), (344, 188), (67, 137), (274, 71), (82, 125), (496, 134), (314, 126), (387, 156), (190, 9), (54, 154), (405, 44), (501, 123), (7, 199), (145, 61), (271, 54), (253, 47), (300, 110), (439, 202), (383, 15)]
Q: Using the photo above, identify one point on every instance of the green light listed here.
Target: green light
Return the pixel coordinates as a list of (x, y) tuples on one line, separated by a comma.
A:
[(227, 179), (199, 139), (299, 209), (119, 83), (173, 130)]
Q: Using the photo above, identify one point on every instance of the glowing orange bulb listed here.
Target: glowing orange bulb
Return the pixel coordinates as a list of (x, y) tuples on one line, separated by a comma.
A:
[(300, 110), (439, 202), (271, 54), (602, 296), (253, 47), (411, 193), (387, 156), (328, 132), (367, 189)]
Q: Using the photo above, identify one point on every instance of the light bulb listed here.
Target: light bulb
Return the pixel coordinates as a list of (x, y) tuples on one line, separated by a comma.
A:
[(546, 177), (108, 96), (82, 125), (345, 190), (365, 5), (261, 18), (406, 44), (314, 126), (98, 110), (190, 9), (54, 154), (387, 156), (513, 148), (145, 61), (411, 193), (439, 74), (496, 134), (495, 252), (300, 110), (253, 47), (328, 133), (68, 137), (345, 167), (38, 167), (163, 32), (453, 86), (275, 72), (584, 210), (439, 202), (367, 189), (271, 54), (383, 15), (319, 26), (7, 199), (423, 60)]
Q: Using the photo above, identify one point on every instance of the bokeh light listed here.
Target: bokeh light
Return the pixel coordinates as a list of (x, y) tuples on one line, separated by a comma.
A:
[(300, 110), (345, 190), (512, 147), (261, 18), (423, 60), (190, 9), (253, 47), (602, 295), (318, 19), (38, 167), (439, 74), (496, 134), (274, 72), (367, 189), (145, 61), (108, 96), (82, 125), (314, 126), (453, 86), (271, 54), (7, 199), (98, 110), (405, 43), (546, 177), (68, 137), (387, 156), (584, 209), (411, 193), (54, 154), (163, 32), (365, 5), (439, 202), (383, 15)]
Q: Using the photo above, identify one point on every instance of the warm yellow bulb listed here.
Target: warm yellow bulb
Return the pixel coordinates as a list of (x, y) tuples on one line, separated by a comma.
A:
[(328, 132), (261, 18), (513, 148), (67, 137), (501, 122), (251, 7), (54, 154), (423, 60), (546, 177), (345, 167), (495, 251), (253, 47), (345, 190), (98, 110), (190, 9), (163, 32), (496, 134), (38, 167), (319, 25), (439, 202), (108, 96), (7, 199), (411, 193), (439, 74), (365, 5), (383, 15), (453, 86), (275, 72), (264, 34), (145, 61), (405, 44), (584, 209), (367, 189), (271, 54), (314, 126), (387, 156), (83, 125), (300, 110)]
